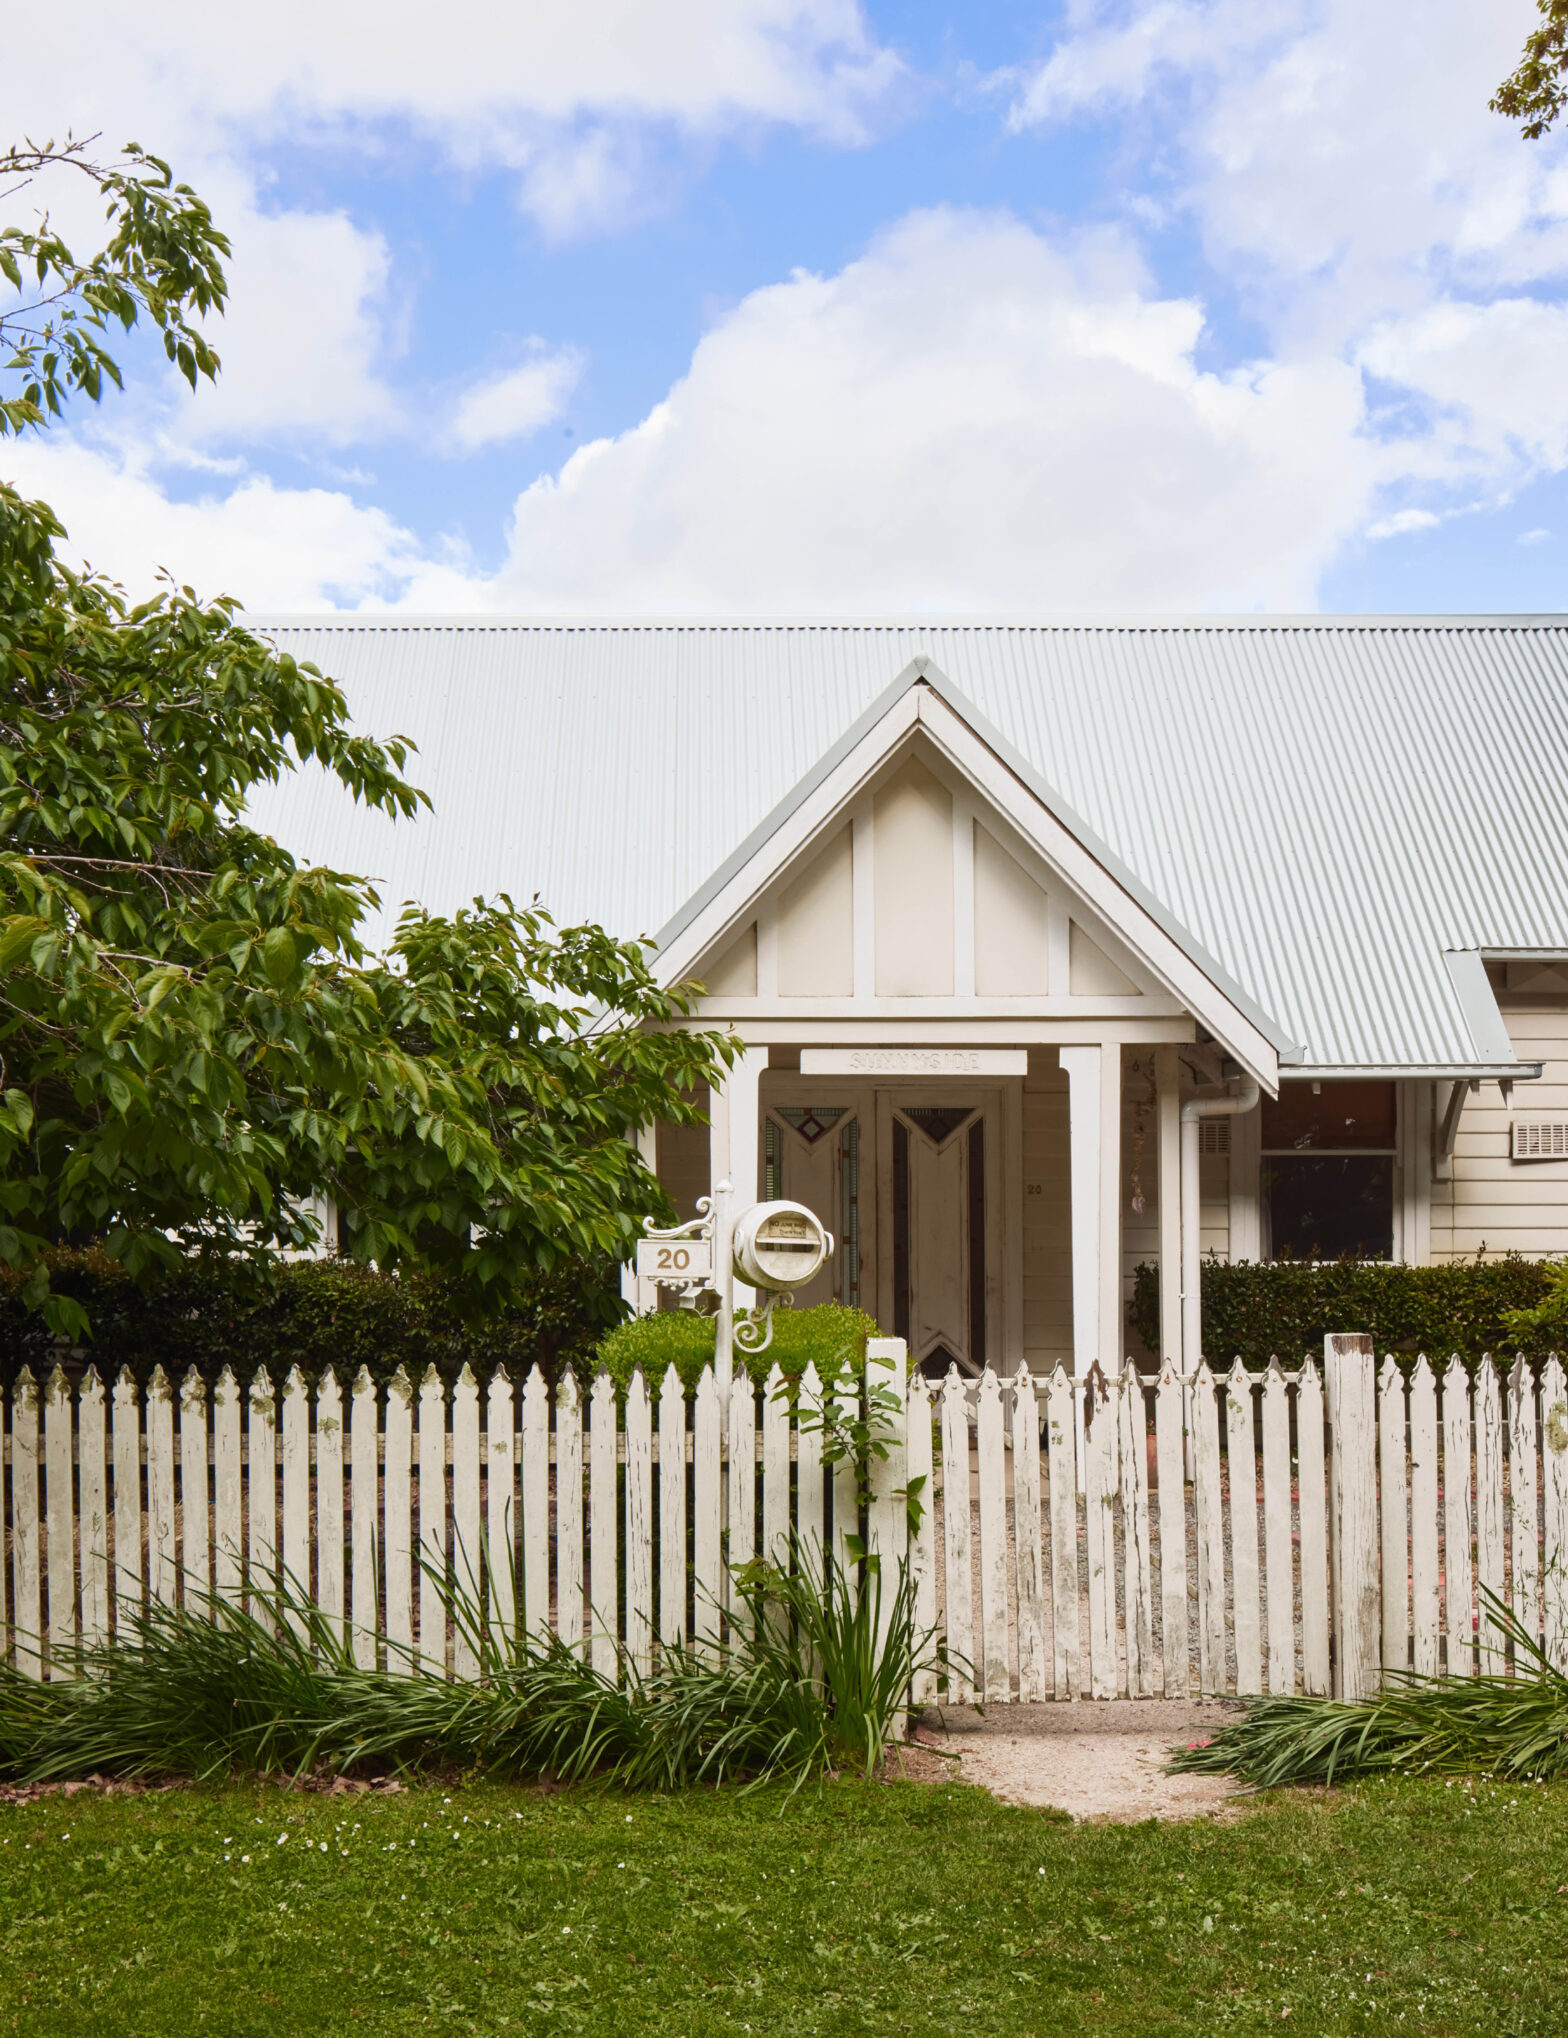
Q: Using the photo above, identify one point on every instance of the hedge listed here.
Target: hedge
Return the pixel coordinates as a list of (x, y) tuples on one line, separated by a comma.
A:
[(313, 1314), (1288, 1307), (319, 1313), (679, 1337)]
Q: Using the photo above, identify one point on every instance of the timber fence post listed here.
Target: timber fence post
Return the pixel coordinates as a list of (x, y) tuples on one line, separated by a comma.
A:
[(1353, 1535), (887, 1517)]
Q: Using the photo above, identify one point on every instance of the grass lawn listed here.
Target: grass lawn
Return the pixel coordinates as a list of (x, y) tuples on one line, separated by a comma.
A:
[(1394, 1905)]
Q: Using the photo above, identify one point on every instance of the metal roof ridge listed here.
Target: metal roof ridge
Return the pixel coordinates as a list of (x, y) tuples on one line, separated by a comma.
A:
[(1065, 621)]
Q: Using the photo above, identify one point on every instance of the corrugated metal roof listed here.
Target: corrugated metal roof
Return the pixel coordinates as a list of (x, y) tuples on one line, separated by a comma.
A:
[(1327, 804)]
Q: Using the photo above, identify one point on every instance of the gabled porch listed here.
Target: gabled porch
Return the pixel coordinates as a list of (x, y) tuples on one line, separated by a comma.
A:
[(969, 1038)]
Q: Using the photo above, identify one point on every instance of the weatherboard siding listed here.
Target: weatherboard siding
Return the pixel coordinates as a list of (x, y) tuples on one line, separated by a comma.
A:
[(1494, 1203)]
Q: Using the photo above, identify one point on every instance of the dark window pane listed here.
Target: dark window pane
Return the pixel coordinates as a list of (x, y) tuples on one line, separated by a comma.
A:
[(1346, 1114), (1321, 1207)]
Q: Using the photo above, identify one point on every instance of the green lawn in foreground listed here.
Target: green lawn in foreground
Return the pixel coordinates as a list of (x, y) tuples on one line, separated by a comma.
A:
[(859, 1909)]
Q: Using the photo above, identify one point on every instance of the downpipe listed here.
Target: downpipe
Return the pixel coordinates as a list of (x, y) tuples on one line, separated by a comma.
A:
[(1193, 1112)]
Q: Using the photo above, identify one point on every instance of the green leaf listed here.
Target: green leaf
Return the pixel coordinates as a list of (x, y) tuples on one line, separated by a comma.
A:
[(279, 956)]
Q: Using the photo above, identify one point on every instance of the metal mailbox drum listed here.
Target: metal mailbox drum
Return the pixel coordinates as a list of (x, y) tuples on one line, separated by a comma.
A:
[(780, 1246)]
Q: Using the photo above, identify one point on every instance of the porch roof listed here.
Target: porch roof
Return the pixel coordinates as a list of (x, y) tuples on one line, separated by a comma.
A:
[(1326, 805)]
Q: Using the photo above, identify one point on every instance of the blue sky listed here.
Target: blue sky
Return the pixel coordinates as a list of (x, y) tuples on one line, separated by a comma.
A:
[(784, 305)]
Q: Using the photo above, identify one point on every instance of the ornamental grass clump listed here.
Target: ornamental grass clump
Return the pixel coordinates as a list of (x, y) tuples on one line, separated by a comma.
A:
[(811, 1677), (1493, 1725)]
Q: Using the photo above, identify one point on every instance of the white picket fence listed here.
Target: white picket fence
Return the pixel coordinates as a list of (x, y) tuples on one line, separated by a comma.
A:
[(1293, 1530)]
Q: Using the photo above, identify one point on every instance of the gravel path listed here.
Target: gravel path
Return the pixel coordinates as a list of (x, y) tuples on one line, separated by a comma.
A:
[(1099, 1760)]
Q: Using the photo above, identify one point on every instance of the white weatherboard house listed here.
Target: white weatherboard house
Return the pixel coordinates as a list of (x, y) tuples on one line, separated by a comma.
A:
[(997, 906)]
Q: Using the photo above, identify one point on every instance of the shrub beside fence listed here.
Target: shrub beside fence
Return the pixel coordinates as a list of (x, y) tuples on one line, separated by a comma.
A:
[(1253, 1309), (1334, 1521)]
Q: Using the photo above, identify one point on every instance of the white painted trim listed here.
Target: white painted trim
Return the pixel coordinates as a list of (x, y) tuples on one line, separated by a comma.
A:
[(1112, 1336), (738, 1156), (768, 953), (1246, 1170), (1012, 1216), (963, 899), (1168, 1075), (1413, 1182), (944, 1063), (863, 882), (1082, 1067), (1089, 1010), (1058, 946), (966, 1029)]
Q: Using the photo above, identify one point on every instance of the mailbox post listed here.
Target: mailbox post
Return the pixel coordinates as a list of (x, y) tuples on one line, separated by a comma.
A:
[(775, 1248)]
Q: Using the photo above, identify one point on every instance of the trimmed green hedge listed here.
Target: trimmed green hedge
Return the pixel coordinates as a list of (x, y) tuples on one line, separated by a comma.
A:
[(1288, 1307), (320, 1313), (313, 1314), (683, 1339)]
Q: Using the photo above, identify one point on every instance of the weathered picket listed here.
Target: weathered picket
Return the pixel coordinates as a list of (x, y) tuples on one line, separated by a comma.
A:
[(1054, 1540)]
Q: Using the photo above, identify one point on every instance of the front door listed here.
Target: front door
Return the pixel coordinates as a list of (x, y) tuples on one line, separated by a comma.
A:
[(812, 1154), (939, 1275), (909, 1181)]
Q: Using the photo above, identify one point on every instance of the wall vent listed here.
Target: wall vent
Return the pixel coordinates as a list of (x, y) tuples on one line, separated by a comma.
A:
[(1540, 1139), (1214, 1135)]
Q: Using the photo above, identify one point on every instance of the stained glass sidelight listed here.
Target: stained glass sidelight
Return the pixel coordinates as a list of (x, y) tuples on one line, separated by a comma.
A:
[(849, 1194)]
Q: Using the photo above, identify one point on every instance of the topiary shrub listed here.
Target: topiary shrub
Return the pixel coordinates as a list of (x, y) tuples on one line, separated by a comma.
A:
[(679, 1337), (1254, 1310)]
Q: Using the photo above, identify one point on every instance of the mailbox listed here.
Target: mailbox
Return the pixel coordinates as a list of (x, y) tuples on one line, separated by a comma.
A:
[(780, 1246)]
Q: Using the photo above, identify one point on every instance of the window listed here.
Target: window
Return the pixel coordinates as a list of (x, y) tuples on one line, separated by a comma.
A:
[(1328, 1171)]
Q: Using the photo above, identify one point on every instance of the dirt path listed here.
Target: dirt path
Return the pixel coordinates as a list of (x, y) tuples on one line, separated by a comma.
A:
[(1099, 1760)]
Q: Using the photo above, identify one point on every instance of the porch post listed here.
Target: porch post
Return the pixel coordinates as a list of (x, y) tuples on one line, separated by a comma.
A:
[(1167, 1067), (734, 1143), (1094, 1128)]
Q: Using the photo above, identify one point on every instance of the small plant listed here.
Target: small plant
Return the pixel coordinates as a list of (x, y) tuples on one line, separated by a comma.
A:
[(1494, 1725), (858, 1421)]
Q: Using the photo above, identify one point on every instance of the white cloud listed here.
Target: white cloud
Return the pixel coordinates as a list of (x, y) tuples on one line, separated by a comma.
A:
[(968, 417), (270, 547), (1351, 187), (1493, 372), (1402, 523), (576, 98), (304, 344), (491, 82), (1533, 537), (1115, 63), (521, 401)]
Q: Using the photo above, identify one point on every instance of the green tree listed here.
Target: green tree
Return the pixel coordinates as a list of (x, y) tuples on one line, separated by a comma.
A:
[(1535, 93), (163, 261), (193, 1039)]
